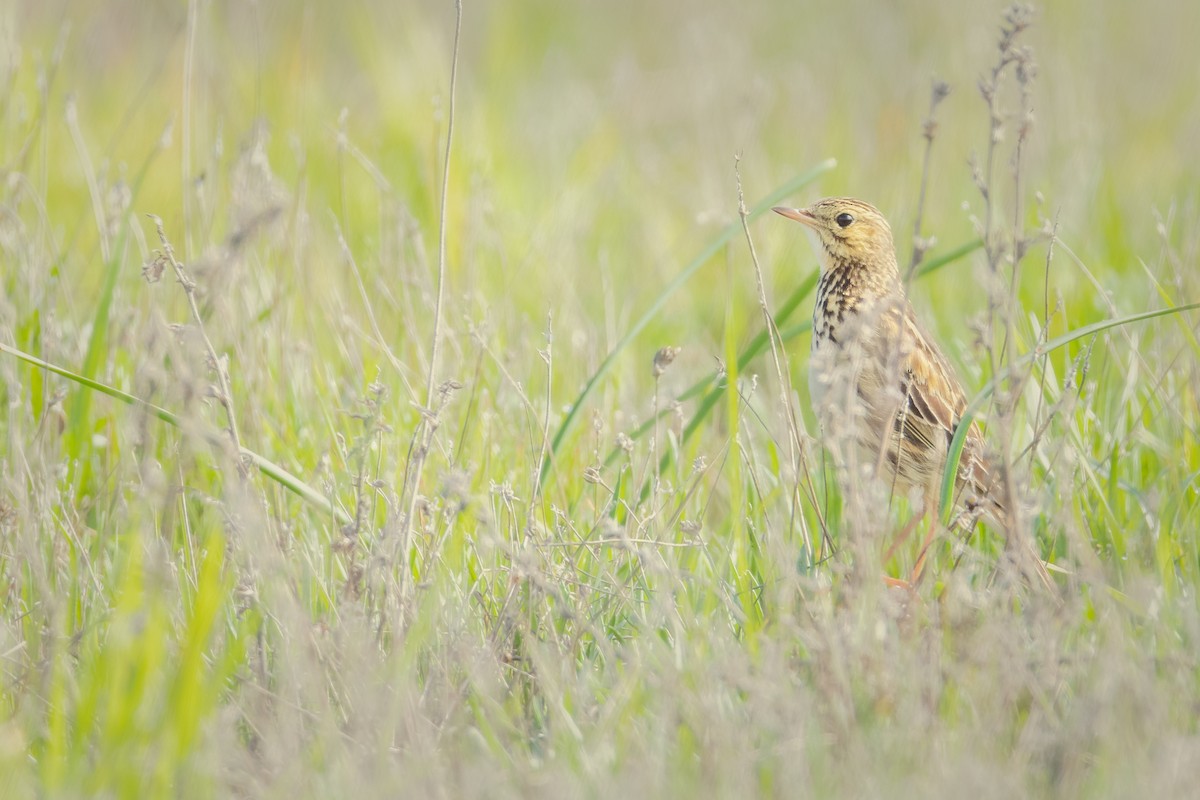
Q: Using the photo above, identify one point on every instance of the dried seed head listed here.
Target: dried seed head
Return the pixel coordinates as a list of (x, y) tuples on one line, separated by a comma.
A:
[(1026, 66), (663, 359), (941, 90), (505, 492), (455, 490), (116, 203), (153, 269)]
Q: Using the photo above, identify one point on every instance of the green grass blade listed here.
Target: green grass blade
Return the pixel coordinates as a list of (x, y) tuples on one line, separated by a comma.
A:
[(124, 397), (964, 424), (711, 250), (263, 464)]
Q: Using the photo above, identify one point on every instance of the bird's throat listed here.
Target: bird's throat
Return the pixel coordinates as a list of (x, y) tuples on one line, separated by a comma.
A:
[(845, 289)]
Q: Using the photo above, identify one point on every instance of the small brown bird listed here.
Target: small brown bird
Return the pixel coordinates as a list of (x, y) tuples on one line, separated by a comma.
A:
[(887, 399)]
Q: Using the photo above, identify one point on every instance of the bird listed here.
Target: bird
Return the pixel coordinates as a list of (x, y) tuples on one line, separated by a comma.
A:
[(887, 400)]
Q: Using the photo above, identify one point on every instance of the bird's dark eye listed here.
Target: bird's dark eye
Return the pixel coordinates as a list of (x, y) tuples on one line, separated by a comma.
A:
[(844, 220)]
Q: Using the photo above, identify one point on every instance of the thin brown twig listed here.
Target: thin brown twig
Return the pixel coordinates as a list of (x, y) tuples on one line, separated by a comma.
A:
[(427, 426), (920, 245), (442, 226), (220, 364), (1003, 301), (797, 454), (1025, 71)]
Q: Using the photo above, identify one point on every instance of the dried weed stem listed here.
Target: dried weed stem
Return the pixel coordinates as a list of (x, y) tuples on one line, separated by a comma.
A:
[(429, 421), (920, 245), (220, 364), (797, 453)]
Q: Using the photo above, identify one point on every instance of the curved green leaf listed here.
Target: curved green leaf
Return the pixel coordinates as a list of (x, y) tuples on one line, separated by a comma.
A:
[(263, 464), (960, 434)]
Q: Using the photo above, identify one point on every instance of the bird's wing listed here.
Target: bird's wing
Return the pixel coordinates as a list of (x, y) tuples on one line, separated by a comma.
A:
[(934, 403), (932, 393), (934, 406)]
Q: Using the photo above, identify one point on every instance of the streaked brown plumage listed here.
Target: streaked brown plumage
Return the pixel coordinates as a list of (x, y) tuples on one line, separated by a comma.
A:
[(887, 399)]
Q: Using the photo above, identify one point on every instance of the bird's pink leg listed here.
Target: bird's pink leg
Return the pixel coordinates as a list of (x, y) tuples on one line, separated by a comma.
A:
[(930, 511), (903, 537), (900, 583)]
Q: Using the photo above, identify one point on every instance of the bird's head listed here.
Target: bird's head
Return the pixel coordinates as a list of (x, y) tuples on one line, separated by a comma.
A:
[(850, 231)]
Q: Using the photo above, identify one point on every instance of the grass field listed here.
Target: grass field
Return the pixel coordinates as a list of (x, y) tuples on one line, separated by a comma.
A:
[(371, 485)]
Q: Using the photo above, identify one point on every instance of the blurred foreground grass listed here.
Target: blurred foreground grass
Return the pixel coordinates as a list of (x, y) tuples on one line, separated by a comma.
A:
[(652, 615)]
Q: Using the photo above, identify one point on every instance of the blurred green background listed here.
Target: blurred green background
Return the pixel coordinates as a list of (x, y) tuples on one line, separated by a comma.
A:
[(613, 122)]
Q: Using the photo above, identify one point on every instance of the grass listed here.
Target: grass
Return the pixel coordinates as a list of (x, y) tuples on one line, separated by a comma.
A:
[(536, 564)]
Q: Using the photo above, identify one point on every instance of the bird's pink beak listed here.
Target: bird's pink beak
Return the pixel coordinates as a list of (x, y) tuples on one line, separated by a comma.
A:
[(802, 215)]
